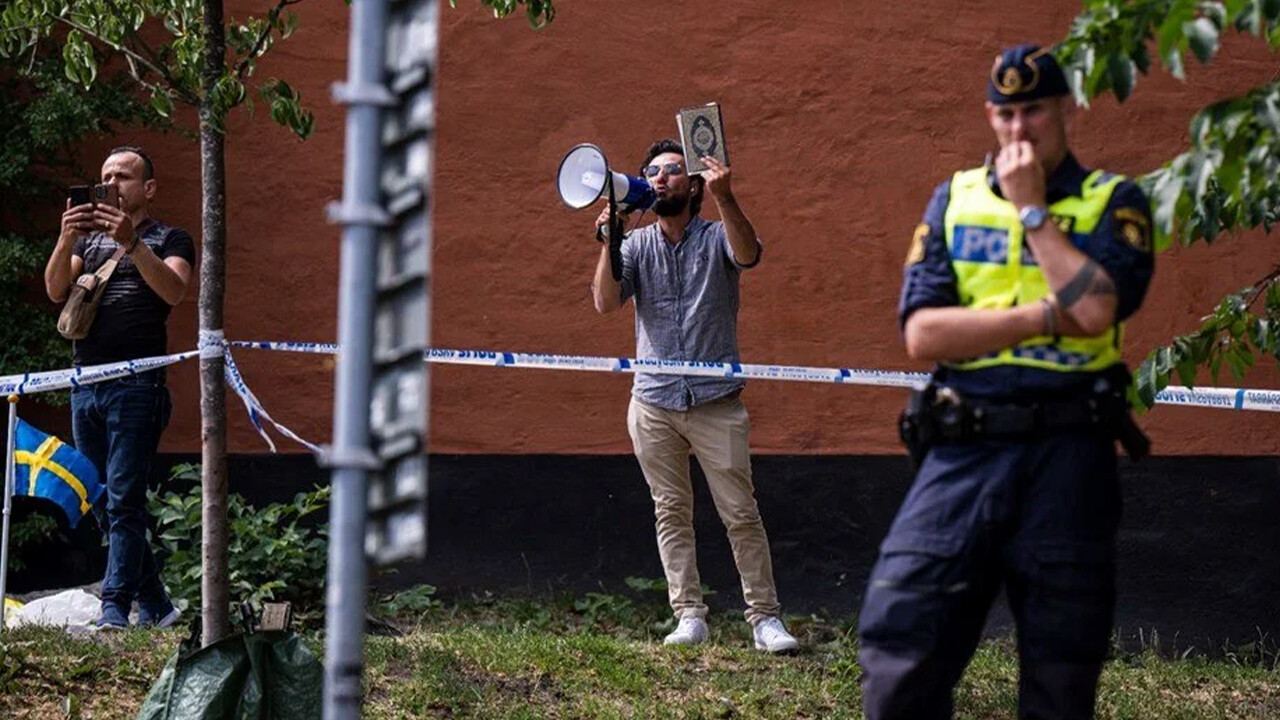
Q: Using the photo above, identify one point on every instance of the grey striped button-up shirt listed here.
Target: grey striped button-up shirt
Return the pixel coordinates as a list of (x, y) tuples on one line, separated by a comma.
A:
[(686, 299)]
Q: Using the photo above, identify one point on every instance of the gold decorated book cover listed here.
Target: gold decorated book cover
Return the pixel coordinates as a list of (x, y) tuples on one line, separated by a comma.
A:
[(702, 134)]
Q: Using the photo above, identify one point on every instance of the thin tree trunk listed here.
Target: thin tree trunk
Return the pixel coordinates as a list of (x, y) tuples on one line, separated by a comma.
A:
[(215, 592)]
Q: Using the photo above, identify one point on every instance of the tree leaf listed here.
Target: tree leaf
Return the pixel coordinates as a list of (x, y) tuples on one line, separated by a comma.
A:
[(162, 103), (1141, 57), (1202, 37), (1187, 371), (1214, 12), (1173, 61), (1146, 383), (1120, 70), (1270, 9)]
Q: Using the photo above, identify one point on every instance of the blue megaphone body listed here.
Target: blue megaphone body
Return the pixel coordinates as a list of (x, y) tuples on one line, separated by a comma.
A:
[(584, 174)]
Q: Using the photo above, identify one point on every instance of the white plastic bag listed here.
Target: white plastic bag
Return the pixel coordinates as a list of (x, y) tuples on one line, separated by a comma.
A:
[(69, 608)]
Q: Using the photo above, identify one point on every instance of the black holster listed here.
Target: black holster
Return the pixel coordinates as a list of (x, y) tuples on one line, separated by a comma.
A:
[(1122, 427), (916, 425), (937, 414)]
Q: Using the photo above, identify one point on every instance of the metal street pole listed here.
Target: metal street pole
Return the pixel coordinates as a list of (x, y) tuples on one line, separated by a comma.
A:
[(350, 457), (10, 477), (378, 510)]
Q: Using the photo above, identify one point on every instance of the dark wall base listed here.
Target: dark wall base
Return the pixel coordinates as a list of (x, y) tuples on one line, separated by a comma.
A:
[(1198, 544)]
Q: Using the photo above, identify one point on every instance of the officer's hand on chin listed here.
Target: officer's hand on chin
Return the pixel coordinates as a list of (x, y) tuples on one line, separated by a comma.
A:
[(1021, 175)]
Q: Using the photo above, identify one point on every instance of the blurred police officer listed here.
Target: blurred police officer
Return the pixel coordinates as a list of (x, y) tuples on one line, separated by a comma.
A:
[(1017, 283)]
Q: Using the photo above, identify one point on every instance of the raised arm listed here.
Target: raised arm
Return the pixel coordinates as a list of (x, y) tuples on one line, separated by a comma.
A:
[(605, 291), (64, 266), (1085, 291), (742, 236)]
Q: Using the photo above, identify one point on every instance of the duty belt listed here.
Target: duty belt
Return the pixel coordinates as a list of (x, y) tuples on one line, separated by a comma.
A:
[(940, 415)]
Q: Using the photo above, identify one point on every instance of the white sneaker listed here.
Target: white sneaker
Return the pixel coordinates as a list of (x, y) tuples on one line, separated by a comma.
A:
[(690, 631), (772, 636)]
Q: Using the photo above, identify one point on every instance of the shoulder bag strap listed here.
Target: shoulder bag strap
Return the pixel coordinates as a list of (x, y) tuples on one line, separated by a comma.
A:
[(109, 267)]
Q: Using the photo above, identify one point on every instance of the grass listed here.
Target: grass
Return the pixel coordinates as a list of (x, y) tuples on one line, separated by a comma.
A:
[(600, 656), (45, 673)]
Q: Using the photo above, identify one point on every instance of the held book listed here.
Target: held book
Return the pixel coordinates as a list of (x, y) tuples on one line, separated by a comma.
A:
[(702, 134)]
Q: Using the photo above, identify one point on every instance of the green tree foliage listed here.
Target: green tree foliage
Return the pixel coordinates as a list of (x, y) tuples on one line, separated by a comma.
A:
[(43, 120), (539, 12), (274, 552), (1224, 183), (167, 65), (32, 529)]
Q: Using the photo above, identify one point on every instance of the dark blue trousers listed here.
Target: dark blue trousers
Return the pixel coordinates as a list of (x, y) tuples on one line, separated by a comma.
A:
[(1038, 518), (117, 425)]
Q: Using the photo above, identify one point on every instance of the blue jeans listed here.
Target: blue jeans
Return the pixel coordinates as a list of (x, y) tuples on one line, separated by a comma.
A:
[(117, 425)]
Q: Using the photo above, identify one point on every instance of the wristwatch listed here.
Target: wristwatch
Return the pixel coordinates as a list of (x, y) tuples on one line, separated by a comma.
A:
[(1033, 217)]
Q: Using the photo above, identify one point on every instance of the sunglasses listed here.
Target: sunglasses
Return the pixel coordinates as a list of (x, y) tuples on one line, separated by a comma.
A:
[(672, 168)]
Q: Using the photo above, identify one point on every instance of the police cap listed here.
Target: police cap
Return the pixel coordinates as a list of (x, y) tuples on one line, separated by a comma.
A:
[(1023, 73)]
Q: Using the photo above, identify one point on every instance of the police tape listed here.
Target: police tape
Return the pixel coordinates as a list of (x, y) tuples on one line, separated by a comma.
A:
[(71, 378), (30, 383), (48, 381), (490, 358), (1210, 397), (257, 413)]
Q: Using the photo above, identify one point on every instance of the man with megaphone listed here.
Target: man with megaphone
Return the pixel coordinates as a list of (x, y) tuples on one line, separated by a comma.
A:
[(683, 274)]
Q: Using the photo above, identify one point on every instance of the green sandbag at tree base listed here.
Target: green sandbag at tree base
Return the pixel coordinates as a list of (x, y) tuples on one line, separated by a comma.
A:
[(260, 676)]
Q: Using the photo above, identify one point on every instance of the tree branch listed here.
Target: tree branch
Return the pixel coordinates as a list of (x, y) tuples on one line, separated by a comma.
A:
[(133, 55), (139, 42), (137, 77), (15, 28), (243, 65), (1260, 288), (35, 48)]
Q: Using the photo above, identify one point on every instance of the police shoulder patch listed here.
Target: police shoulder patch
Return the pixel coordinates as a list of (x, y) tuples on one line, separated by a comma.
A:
[(1065, 223), (1132, 225), (916, 254)]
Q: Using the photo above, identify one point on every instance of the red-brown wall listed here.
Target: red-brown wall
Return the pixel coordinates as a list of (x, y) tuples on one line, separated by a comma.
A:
[(841, 117)]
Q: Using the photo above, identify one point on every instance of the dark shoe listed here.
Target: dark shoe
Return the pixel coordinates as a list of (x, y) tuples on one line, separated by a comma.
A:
[(159, 621), (112, 618)]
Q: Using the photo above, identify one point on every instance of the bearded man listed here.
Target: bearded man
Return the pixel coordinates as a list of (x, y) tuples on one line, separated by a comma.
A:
[(683, 273)]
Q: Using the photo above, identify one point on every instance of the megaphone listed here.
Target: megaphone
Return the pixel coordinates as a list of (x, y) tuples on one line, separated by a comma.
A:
[(584, 175)]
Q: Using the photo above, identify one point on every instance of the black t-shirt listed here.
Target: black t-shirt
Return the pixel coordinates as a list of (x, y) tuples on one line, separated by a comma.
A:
[(130, 320)]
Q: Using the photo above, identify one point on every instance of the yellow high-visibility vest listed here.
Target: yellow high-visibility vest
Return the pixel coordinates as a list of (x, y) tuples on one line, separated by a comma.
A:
[(995, 269)]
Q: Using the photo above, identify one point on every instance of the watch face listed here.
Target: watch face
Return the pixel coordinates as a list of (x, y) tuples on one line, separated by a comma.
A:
[(1033, 217)]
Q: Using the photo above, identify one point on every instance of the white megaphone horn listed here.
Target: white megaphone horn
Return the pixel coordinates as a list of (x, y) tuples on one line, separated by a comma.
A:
[(583, 177)]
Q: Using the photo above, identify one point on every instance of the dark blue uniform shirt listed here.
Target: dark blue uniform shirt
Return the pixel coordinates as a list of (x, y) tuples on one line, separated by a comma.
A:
[(931, 282)]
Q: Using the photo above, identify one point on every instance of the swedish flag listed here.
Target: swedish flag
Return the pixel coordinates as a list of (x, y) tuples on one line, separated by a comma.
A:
[(49, 468)]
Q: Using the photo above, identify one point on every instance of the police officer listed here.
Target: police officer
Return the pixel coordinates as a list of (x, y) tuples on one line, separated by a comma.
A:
[(1017, 284)]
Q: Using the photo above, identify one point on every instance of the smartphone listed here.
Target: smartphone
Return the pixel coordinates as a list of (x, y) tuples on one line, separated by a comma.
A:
[(96, 194), (80, 195), (106, 195)]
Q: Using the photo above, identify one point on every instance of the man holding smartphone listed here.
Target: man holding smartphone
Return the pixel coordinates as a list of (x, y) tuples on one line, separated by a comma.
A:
[(117, 424)]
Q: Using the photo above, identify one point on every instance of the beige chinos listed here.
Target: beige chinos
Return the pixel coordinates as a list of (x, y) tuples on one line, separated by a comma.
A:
[(717, 432)]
